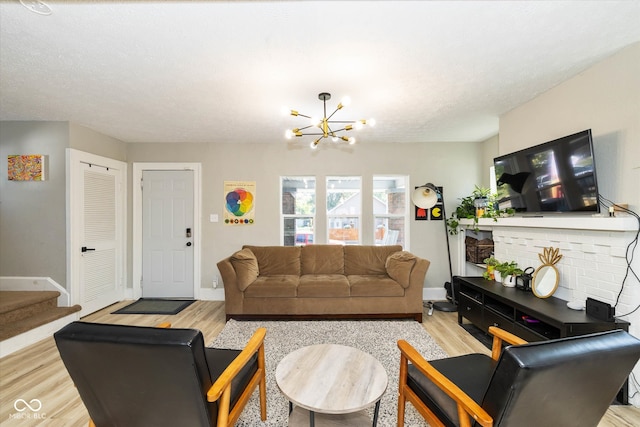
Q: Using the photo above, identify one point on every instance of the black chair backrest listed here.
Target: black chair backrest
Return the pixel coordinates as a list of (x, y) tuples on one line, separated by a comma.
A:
[(564, 382), (138, 376)]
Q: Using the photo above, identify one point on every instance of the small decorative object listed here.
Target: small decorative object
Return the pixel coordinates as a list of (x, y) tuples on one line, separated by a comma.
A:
[(491, 263), (546, 277), (509, 271), (27, 167)]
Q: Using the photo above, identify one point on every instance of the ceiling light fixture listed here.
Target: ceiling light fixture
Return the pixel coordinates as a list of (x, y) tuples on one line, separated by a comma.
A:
[(324, 124)]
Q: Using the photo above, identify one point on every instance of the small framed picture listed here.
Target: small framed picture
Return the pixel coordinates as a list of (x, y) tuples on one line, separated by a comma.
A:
[(26, 167)]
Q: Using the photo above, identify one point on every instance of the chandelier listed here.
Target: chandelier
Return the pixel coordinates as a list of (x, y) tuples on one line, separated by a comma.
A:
[(323, 126)]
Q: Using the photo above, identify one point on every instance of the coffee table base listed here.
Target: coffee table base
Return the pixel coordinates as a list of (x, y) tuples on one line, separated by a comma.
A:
[(300, 417)]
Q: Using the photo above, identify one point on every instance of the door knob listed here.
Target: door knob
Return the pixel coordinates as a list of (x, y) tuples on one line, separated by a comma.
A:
[(188, 243)]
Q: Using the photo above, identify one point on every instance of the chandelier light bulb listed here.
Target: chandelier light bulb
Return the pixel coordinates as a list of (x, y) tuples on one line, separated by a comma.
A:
[(371, 122), (288, 134), (313, 145), (359, 124), (346, 101), (352, 140)]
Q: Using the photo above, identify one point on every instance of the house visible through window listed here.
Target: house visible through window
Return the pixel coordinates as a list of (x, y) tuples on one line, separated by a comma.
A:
[(298, 210), (344, 210), (390, 210), (386, 224)]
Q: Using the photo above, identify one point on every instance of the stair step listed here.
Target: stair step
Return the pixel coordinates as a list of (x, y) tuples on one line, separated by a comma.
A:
[(17, 305), (17, 327)]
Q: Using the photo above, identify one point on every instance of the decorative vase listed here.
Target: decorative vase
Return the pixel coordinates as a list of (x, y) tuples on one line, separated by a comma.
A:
[(509, 281), (497, 276)]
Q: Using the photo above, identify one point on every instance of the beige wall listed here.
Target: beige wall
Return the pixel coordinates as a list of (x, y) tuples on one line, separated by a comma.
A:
[(33, 214), (604, 98), (452, 165)]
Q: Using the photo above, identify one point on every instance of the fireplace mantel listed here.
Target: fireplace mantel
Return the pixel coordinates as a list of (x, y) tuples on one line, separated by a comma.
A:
[(618, 223)]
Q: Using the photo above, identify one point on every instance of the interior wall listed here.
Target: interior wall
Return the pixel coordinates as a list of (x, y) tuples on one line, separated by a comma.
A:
[(32, 213), (606, 99), (451, 165), (88, 140)]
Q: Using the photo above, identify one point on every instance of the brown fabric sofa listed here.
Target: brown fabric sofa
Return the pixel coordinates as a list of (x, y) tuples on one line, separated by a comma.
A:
[(323, 281)]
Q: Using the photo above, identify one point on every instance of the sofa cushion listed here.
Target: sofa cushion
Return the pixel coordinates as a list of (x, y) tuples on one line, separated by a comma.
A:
[(367, 260), (277, 286), (374, 286), (246, 266), (277, 260), (323, 286), (399, 265), (322, 259)]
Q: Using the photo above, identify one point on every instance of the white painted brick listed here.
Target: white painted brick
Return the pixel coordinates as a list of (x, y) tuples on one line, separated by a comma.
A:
[(618, 251)]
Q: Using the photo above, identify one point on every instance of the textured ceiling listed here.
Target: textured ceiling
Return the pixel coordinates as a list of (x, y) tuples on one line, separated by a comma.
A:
[(144, 71)]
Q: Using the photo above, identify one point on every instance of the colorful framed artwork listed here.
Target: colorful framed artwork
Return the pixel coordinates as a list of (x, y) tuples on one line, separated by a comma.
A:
[(26, 167), (239, 202)]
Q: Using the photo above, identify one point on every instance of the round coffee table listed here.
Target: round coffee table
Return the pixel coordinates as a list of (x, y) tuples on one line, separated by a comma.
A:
[(331, 379)]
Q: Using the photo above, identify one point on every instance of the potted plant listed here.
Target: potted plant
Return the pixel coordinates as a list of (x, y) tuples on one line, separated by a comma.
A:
[(491, 264), (509, 271), (480, 204)]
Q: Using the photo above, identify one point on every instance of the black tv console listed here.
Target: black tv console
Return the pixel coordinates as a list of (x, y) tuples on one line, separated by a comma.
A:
[(488, 303)]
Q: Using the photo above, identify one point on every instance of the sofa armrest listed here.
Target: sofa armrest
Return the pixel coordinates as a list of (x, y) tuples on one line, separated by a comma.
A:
[(233, 296)]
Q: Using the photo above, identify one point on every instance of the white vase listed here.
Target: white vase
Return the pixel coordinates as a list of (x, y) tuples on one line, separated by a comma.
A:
[(509, 281), (497, 277)]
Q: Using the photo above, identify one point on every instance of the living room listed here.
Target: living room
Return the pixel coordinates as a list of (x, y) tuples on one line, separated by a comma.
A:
[(603, 97)]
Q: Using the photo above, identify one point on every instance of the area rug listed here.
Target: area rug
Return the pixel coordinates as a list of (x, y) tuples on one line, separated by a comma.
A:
[(378, 338), (155, 306)]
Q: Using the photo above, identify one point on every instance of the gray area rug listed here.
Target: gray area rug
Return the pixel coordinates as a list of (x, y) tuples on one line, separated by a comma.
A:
[(378, 338)]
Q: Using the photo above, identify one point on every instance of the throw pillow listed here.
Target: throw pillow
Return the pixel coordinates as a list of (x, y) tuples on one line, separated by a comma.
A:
[(246, 266), (399, 265)]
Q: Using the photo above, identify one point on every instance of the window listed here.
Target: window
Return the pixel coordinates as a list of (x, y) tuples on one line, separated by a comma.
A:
[(344, 210), (298, 210), (390, 210)]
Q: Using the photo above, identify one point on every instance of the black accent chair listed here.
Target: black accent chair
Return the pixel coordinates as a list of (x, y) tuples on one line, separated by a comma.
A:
[(144, 376), (563, 382)]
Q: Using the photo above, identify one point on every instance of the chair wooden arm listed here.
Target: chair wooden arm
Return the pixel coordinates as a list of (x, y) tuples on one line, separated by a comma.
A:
[(467, 407), (165, 325), (500, 335), (255, 343)]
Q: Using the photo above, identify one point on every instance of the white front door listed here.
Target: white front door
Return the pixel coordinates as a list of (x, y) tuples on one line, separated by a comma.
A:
[(167, 234)]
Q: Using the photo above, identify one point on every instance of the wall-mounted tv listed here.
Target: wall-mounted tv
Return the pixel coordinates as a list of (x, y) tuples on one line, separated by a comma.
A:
[(555, 177)]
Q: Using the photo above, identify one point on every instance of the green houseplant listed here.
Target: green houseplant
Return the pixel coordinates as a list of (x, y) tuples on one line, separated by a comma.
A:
[(491, 264), (467, 209), (508, 272)]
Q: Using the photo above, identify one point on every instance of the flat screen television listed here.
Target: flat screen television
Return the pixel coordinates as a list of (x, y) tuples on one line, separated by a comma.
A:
[(558, 176)]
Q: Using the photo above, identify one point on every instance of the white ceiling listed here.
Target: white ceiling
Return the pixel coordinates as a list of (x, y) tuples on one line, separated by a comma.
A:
[(221, 71)]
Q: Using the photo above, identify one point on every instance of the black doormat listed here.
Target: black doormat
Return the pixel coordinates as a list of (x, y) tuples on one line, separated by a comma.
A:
[(155, 306), (484, 338)]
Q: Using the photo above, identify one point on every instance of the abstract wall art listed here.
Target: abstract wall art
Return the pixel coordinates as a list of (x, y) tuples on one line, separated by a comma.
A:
[(26, 167)]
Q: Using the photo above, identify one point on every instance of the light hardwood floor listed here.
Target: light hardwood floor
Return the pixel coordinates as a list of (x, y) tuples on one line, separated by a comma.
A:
[(38, 373)]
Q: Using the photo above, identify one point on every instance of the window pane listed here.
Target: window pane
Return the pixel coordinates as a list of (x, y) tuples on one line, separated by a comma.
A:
[(344, 207), (390, 210), (298, 195), (298, 210)]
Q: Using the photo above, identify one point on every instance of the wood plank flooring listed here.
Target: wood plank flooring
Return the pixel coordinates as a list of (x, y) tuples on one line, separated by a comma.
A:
[(38, 373)]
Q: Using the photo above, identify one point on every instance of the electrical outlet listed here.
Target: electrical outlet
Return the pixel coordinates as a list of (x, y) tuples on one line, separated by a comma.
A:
[(215, 282)]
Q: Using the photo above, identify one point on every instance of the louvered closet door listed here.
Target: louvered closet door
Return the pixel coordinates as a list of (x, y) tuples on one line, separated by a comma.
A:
[(99, 267)]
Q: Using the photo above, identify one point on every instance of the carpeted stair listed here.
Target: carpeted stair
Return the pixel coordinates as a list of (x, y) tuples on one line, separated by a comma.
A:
[(21, 311)]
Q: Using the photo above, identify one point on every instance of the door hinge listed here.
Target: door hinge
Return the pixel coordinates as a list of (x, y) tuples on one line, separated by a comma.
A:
[(141, 183)]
